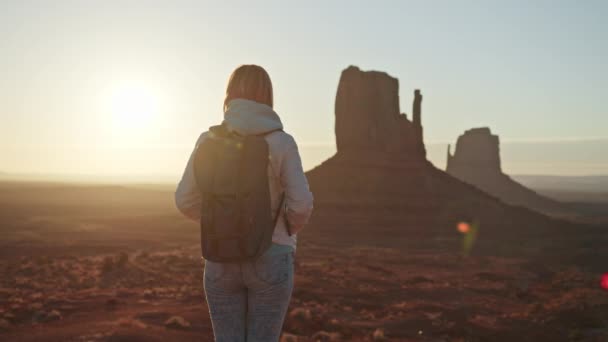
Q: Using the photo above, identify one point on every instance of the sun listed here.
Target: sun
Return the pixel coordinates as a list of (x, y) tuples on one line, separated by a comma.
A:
[(132, 112), (133, 106)]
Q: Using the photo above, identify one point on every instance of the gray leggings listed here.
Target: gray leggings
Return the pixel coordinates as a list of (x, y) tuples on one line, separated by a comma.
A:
[(248, 300)]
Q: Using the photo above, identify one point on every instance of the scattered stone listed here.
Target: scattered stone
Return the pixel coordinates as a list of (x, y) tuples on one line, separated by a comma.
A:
[(131, 322), (378, 335), (301, 314), (42, 316), (94, 337), (36, 296), (4, 325), (324, 336), (287, 337), (177, 322), (38, 316), (35, 306), (149, 294), (9, 316), (53, 315)]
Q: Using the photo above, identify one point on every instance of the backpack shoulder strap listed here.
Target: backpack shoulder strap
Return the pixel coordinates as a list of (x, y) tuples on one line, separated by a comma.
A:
[(219, 130)]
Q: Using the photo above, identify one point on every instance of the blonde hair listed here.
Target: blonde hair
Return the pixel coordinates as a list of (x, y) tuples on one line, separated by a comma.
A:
[(249, 82)]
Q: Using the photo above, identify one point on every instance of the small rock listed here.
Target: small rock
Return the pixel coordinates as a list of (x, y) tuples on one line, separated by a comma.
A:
[(287, 337), (378, 335), (324, 336), (35, 306), (42, 316), (9, 316), (54, 315), (149, 294), (129, 322), (4, 325), (301, 314), (177, 322)]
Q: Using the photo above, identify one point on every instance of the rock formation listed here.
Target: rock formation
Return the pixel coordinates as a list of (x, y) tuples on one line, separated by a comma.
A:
[(476, 160), (368, 119), (478, 149), (379, 182)]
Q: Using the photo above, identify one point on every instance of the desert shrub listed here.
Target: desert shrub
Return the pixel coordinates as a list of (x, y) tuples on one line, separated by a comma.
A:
[(43, 260), (107, 265), (111, 263), (53, 315), (142, 256)]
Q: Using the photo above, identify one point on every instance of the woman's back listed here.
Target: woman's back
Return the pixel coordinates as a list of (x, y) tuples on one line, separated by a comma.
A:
[(248, 300), (285, 172)]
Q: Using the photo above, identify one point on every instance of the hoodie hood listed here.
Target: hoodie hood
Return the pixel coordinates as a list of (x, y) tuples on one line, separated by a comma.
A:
[(248, 117)]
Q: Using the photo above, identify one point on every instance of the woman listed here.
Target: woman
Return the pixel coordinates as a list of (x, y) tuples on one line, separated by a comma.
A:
[(248, 300)]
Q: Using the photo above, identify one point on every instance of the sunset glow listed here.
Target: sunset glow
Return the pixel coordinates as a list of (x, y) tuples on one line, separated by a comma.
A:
[(132, 106)]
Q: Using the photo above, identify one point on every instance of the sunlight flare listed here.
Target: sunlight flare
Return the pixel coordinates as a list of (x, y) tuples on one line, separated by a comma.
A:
[(133, 105)]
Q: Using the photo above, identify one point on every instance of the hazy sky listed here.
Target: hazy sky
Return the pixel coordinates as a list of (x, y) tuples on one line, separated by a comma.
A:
[(124, 88)]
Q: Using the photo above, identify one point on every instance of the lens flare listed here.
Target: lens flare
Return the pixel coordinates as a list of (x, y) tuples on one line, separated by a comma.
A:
[(469, 233), (463, 227), (604, 281)]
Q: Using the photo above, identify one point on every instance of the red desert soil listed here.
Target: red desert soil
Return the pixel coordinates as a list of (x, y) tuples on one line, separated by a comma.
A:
[(91, 263)]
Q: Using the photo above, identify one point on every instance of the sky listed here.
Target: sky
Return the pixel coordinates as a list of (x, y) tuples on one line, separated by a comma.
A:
[(124, 88)]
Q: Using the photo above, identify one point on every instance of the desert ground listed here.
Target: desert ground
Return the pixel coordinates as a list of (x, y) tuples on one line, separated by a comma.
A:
[(118, 263)]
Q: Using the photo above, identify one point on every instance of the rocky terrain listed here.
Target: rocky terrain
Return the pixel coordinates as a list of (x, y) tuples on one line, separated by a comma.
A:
[(76, 268)]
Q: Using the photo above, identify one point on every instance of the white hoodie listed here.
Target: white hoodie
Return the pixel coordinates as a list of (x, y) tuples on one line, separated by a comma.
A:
[(284, 171)]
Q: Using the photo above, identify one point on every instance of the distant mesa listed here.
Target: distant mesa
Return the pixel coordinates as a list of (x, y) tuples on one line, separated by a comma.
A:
[(380, 182), (476, 160), (478, 151)]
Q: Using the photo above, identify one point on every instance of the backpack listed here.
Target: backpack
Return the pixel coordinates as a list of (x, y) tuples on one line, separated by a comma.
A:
[(231, 172)]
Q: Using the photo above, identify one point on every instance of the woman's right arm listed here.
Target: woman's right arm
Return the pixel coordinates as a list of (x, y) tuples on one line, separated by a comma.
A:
[(187, 195)]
